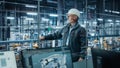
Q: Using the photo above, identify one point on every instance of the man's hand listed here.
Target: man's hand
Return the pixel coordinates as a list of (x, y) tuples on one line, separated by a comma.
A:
[(42, 38), (80, 59)]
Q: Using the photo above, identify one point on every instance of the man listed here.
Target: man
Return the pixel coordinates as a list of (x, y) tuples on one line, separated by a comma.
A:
[(73, 35)]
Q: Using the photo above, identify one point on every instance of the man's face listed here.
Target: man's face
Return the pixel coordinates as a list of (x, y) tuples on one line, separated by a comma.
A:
[(72, 18)]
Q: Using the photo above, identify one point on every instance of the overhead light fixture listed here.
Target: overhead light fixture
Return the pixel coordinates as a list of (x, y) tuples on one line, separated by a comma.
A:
[(51, 1), (111, 23), (100, 19), (45, 19), (109, 20), (106, 10), (92, 34), (115, 12), (94, 22), (29, 19), (53, 15), (91, 7), (111, 11), (81, 12), (31, 13), (11, 18), (117, 21), (31, 6)]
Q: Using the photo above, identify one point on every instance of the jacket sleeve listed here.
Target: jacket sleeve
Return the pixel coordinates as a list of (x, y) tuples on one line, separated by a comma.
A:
[(56, 35), (83, 42)]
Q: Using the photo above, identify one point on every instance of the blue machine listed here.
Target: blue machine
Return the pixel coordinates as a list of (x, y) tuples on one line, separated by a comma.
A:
[(47, 58)]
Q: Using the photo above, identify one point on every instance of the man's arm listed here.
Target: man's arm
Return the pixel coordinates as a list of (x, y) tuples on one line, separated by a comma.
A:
[(83, 42), (56, 35)]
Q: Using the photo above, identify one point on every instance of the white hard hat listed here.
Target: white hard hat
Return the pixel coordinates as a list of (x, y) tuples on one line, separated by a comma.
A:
[(74, 11)]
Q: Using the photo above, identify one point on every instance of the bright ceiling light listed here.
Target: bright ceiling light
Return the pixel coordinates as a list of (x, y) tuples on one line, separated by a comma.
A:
[(115, 12), (111, 23), (31, 6), (109, 20), (100, 19), (53, 15), (94, 22), (81, 12), (29, 19), (45, 19), (106, 10), (92, 34), (11, 18), (117, 21), (112, 11), (31, 13)]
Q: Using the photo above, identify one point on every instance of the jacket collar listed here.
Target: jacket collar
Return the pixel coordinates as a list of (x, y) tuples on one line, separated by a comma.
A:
[(75, 26)]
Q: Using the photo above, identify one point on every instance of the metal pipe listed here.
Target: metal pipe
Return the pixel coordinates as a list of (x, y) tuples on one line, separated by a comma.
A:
[(38, 21)]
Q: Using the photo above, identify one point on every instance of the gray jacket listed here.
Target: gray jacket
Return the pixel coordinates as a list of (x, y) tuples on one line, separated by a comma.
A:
[(77, 38)]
